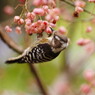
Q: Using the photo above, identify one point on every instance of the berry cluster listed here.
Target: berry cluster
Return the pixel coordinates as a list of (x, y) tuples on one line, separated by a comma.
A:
[(79, 5), (38, 20)]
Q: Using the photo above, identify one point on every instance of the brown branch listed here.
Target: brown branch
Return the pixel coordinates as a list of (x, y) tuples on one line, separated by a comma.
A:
[(71, 4), (33, 70), (9, 41)]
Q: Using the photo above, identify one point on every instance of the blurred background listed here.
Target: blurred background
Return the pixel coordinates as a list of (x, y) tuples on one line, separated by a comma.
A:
[(71, 73)]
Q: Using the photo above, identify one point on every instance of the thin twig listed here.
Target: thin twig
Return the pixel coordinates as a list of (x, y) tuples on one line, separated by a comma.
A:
[(71, 4), (9, 41)]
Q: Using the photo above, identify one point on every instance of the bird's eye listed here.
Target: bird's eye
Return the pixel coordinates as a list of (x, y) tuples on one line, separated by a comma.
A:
[(65, 40)]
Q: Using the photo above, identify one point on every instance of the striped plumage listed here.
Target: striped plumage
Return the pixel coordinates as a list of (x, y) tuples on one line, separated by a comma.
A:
[(43, 50)]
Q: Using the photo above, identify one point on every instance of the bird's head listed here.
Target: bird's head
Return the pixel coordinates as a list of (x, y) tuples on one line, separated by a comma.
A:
[(59, 42)]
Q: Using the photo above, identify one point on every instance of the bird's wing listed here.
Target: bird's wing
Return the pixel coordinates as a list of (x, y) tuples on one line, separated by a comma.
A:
[(23, 57)]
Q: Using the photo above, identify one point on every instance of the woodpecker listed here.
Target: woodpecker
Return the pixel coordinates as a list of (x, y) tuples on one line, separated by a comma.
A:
[(43, 50)]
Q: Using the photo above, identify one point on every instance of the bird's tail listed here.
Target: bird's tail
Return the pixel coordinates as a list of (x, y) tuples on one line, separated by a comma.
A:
[(18, 59)]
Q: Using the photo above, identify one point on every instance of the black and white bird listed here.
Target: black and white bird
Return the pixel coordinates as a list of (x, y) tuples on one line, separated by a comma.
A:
[(43, 50)]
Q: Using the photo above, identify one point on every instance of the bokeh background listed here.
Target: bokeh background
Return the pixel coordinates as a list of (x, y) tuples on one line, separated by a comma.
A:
[(61, 76)]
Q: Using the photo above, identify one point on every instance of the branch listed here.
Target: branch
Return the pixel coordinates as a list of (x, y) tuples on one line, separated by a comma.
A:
[(71, 4), (40, 84), (9, 41)]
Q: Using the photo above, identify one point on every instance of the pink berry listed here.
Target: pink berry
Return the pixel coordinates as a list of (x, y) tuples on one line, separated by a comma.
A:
[(36, 2), (44, 2), (89, 29), (42, 26), (21, 21), (89, 75), (30, 15), (35, 30), (39, 22), (28, 21), (80, 3), (48, 30), (16, 18), (80, 42), (56, 11), (18, 30), (83, 42), (29, 29), (78, 9), (39, 11), (8, 29), (45, 23), (8, 10), (56, 18), (45, 8), (85, 88), (62, 30), (48, 17), (52, 24)]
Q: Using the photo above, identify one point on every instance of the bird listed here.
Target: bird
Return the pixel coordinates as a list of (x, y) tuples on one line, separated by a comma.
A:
[(43, 50)]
